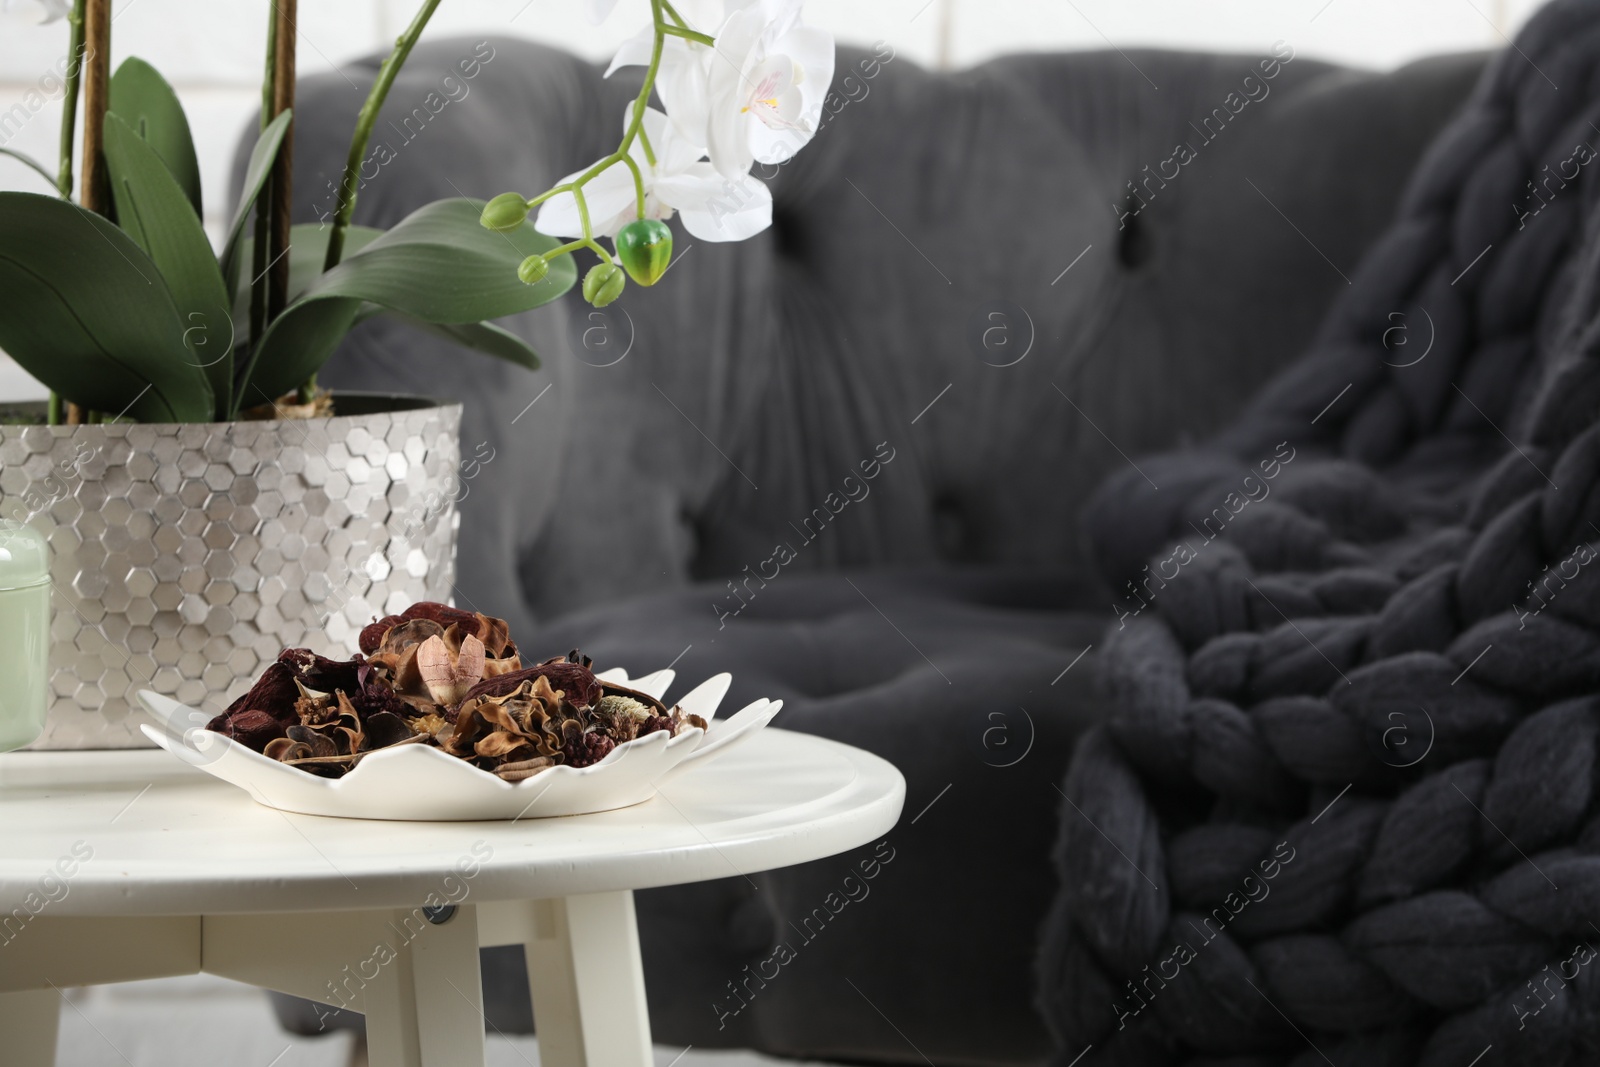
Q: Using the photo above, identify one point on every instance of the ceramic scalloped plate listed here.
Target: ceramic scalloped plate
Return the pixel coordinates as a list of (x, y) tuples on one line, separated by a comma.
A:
[(418, 783)]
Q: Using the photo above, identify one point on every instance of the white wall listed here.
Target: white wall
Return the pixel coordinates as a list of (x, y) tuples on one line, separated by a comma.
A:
[(211, 49)]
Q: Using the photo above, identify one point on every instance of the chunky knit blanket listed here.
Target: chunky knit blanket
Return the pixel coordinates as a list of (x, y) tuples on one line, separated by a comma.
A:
[(1344, 809)]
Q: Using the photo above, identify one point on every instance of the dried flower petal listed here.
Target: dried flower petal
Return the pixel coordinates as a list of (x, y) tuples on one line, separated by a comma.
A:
[(281, 748), (496, 636), (249, 726), (433, 725), (320, 744), (320, 673), (501, 743), (385, 729), (263, 713)]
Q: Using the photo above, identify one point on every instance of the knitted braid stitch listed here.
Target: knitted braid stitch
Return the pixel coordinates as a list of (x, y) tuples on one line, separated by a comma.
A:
[(1344, 809)]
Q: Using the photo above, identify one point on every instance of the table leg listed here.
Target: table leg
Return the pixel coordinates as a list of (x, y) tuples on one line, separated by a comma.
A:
[(587, 982), (417, 982), (426, 1008), (29, 1022)]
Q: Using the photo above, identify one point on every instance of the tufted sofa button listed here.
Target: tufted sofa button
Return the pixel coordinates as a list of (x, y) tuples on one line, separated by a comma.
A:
[(1133, 243), (952, 537)]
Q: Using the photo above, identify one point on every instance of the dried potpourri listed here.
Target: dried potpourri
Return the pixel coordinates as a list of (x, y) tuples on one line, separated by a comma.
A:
[(436, 675)]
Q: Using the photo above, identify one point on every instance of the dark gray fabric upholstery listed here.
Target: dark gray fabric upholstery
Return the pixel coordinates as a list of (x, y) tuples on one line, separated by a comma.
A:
[(761, 375), (1343, 808)]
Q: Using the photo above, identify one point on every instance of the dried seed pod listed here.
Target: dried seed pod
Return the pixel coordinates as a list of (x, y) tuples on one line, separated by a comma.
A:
[(656, 723), (450, 676), (574, 680), (444, 615), (521, 769), (587, 749), (613, 689), (373, 633)]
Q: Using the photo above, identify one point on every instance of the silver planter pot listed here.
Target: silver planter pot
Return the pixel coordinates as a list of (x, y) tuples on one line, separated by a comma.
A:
[(186, 557)]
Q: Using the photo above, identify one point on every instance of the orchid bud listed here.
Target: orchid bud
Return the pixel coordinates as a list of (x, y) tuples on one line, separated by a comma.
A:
[(603, 284), (645, 248), (504, 213), (533, 269)]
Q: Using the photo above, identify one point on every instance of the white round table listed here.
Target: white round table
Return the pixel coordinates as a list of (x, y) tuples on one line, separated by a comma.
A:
[(124, 865)]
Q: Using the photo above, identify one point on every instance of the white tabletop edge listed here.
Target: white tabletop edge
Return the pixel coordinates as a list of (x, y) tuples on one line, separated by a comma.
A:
[(858, 799)]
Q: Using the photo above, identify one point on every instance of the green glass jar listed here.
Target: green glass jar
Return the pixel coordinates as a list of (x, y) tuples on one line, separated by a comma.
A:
[(24, 634)]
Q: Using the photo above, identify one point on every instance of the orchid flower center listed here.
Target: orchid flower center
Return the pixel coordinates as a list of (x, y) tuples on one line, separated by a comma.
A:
[(773, 97)]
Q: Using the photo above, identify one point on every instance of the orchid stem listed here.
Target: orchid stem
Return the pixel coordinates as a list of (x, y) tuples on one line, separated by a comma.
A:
[(350, 181), (349, 184), (642, 102), (689, 35), (69, 100), (660, 10), (672, 13), (638, 182)]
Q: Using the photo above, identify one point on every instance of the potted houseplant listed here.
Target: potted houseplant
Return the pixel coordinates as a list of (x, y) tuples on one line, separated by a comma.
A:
[(208, 503)]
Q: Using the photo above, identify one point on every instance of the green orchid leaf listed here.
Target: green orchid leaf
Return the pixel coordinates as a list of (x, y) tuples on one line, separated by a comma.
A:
[(28, 161), (84, 310), (256, 172), (440, 265), (295, 346), (153, 210), (437, 265), (144, 100), (483, 337), (308, 246)]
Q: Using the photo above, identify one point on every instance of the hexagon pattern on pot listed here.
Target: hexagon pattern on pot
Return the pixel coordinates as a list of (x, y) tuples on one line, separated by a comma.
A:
[(185, 557)]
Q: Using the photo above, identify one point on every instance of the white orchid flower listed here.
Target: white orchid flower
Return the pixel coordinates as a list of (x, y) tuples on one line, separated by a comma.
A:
[(765, 84), (51, 10), (713, 207), (681, 79), (599, 10), (756, 96)]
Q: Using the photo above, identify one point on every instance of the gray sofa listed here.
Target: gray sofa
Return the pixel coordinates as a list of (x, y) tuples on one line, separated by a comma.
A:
[(959, 295)]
